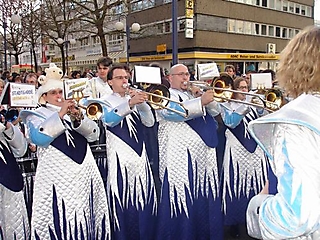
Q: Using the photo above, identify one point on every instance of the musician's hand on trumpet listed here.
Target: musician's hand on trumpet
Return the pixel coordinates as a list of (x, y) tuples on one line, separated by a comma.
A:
[(137, 97)]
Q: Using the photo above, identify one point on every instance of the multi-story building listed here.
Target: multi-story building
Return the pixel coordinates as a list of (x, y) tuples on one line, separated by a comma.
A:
[(239, 32), (225, 31)]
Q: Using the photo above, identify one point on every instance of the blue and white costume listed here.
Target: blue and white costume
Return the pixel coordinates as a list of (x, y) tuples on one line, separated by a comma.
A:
[(190, 205), (130, 184), (13, 213), (244, 164), (291, 139), (69, 201)]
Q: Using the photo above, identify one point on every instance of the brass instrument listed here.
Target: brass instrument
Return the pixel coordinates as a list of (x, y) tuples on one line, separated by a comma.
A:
[(159, 98), (271, 99), (93, 110)]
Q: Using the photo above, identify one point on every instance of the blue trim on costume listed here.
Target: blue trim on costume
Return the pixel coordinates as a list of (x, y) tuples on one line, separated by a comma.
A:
[(111, 118), (172, 116), (231, 119), (37, 137), (10, 174)]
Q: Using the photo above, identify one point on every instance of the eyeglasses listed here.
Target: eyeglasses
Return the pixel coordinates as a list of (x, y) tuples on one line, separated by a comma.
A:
[(181, 74), (121, 77), (54, 92), (243, 87)]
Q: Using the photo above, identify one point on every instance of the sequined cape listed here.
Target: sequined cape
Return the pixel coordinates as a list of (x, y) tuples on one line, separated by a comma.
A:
[(291, 139), (130, 185), (69, 201), (190, 203), (13, 213), (244, 165)]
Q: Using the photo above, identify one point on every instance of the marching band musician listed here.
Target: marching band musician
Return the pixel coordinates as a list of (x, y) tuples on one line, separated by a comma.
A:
[(290, 137), (13, 213), (190, 205), (68, 200), (244, 163), (130, 185), (98, 86)]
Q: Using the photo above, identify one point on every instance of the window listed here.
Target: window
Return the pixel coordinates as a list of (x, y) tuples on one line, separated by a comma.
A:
[(303, 10), (248, 28), (239, 27), (278, 5), (167, 27), (284, 33), (278, 32), (182, 25), (308, 11), (231, 25), (257, 29), (84, 41), (160, 28), (263, 30), (297, 8), (290, 33), (258, 2), (271, 4), (264, 3), (285, 6), (271, 31), (291, 7)]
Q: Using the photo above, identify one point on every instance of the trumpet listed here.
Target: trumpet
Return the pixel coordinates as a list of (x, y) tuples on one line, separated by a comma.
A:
[(159, 98), (271, 100), (93, 110)]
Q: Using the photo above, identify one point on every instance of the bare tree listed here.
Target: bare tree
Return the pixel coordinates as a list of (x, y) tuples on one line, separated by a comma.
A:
[(94, 15), (57, 17), (31, 24), (13, 33)]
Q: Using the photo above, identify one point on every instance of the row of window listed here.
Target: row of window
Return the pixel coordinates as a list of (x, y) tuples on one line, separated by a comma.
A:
[(280, 5), (250, 28)]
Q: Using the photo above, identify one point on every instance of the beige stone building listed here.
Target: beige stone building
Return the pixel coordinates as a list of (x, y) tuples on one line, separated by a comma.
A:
[(240, 32)]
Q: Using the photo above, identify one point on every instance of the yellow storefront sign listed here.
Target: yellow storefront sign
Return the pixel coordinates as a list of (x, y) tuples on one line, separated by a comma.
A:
[(206, 55)]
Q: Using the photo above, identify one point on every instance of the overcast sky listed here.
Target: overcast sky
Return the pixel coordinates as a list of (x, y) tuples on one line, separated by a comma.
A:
[(317, 10)]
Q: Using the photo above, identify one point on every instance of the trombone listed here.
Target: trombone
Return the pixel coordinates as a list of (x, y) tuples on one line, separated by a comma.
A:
[(159, 98), (272, 101)]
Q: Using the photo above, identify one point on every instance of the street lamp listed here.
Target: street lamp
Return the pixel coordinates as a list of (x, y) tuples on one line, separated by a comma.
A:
[(66, 43), (135, 27), (15, 19)]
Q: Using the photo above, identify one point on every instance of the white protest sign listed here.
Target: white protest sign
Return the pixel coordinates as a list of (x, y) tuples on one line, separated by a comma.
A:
[(22, 95), (207, 71), (261, 80), (144, 74)]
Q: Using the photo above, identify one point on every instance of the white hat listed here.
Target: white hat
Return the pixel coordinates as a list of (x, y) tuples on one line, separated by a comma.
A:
[(52, 80)]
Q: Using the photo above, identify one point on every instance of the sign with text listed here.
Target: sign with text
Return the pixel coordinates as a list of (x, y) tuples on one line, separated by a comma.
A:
[(207, 71), (261, 80), (74, 85), (19, 95)]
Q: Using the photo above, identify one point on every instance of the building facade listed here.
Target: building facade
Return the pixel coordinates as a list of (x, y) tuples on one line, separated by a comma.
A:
[(240, 32)]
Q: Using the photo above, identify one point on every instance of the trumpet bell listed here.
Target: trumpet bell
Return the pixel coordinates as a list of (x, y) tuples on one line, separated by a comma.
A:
[(158, 97), (274, 99), (94, 111), (220, 95)]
